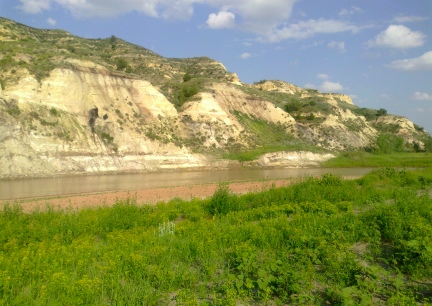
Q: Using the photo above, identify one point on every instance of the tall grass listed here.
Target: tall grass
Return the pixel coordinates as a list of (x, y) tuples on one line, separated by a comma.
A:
[(364, 159), (322, 241)]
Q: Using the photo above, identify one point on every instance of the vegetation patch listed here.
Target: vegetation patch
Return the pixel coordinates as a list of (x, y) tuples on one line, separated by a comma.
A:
[(322, 241), (367, 159), (265, 137)]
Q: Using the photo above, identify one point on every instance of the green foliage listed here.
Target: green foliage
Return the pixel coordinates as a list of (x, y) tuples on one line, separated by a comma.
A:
[(265, 137), (321, 241), (187, 77), (381, 112), (428, 143), (419, 128), (369, 113), (388, 143), (293, 106), (54, 112), (365, 159), (121, 64), (106, 138), (310, 117), (222, 201), (14, 110), (186, 91)]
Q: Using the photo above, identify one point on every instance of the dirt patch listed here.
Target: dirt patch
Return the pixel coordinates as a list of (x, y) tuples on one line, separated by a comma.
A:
[(143, 196)]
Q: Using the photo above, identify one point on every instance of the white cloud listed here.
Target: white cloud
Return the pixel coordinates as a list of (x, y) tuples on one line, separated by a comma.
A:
[(399, 37), (309, 28), (34, 6), (405, 19), (423, 62), (323, 76), (245, 55), (351, 11), (328, 86), (421, 96), (257, 16), (338, 45), (223, 20), (309, 85), (51, 21), (266, 19)]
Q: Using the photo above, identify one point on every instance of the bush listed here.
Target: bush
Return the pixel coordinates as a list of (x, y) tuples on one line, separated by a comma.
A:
[(293, 106), (187, 77), (388, 143), (121, 64), (186, 91), (381, 112), (222, 201), (53, 111)]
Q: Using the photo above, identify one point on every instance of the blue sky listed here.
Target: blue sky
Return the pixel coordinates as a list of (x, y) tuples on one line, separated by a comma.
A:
[(378, 52)]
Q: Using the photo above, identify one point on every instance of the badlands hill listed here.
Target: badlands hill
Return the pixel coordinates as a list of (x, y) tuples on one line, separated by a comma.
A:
[(70, 105)]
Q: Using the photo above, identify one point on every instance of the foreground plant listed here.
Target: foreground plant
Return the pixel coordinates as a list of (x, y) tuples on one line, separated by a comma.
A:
[(321, 241)]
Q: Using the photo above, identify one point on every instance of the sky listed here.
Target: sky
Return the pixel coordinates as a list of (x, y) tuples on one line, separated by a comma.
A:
[(377, 51)]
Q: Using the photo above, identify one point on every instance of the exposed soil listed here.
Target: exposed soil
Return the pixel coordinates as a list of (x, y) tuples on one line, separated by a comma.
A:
[(143, 196)]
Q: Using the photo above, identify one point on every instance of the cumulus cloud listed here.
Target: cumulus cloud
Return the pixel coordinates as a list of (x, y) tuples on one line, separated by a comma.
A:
[(328, 86), (222, 20), (34, 6), (257, 16), (267, 19), (399, 37), (421, 96), (338, 45), (51, 21), (245, 55), (309, 28), (423, 62)]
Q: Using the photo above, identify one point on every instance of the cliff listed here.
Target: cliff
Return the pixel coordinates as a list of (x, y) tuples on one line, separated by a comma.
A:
[(70, 105)]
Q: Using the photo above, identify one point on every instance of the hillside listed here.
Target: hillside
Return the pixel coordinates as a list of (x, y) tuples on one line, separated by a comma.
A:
[(71, 105)]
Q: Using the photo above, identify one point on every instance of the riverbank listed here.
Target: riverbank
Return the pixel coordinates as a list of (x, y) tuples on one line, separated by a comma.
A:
[(322, 241), (143, 196)]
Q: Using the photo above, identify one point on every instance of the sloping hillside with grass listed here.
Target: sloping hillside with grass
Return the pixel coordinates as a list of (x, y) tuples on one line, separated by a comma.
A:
[(71, 105)]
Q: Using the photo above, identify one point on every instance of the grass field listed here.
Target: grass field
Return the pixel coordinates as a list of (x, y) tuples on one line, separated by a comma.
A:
[(323, 241), (363, 159)]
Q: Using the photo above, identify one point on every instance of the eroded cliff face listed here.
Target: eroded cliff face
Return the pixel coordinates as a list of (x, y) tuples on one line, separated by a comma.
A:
[(87, 119), (54, 132), (70, 105)]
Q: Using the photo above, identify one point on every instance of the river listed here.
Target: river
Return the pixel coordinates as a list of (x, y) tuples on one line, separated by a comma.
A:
[(69, 185)]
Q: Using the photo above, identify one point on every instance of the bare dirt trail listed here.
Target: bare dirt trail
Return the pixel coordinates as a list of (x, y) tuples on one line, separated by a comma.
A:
[(143, 196)]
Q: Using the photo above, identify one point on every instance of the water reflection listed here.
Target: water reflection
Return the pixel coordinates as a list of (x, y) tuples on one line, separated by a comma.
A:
[(29, 188)]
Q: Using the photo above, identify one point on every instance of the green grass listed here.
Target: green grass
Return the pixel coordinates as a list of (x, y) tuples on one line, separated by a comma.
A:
[(323, 241), (266, 137), (363, 159)]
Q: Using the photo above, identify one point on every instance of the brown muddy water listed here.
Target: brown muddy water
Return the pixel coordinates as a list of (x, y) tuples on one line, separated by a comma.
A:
[(73, 185)]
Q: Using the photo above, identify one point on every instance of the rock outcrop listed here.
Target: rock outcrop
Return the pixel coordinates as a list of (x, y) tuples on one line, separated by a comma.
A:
[(124, 108)]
